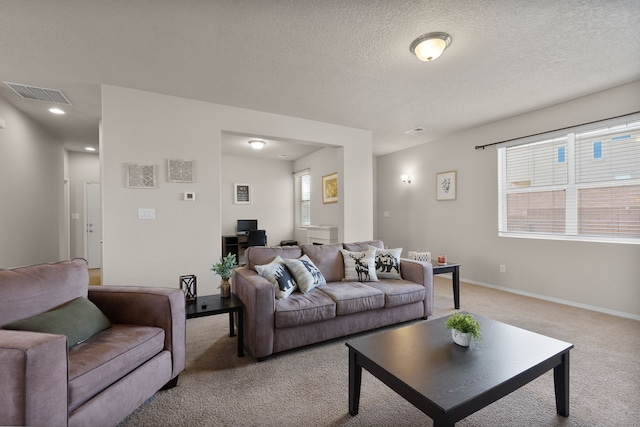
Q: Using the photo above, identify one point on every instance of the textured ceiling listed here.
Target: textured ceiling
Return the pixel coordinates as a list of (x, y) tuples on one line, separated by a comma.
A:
[(335, 61)]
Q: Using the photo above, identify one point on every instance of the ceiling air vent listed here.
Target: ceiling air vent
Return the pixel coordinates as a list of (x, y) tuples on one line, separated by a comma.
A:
[(39, 93), (414, 131)]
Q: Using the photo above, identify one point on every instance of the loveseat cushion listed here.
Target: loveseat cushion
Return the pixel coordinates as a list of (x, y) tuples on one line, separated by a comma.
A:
[(260, 255), (78, 320), (328, 259), (301, 308), (353, 297), (363, 246), (108, 356), (399, 292)]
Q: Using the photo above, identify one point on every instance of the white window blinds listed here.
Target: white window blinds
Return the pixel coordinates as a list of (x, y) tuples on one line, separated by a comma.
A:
[(584, 185), (302, 188)]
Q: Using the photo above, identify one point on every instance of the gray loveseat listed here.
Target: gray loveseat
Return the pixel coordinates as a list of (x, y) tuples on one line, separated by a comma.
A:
[(335, 309), (47, 379)]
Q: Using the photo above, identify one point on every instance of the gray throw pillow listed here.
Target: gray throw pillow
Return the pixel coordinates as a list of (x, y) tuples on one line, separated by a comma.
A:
[(306, 273)]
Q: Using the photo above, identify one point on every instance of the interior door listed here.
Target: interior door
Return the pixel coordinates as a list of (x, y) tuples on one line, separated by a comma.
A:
[(93, 225)]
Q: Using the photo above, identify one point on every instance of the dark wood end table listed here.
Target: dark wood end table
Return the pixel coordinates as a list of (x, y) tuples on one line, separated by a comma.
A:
[(210, 305), (448, 382), (454, 268)]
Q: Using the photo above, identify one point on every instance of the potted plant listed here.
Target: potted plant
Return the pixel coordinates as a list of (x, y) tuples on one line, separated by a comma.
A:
[(464, 328), (224, 268)]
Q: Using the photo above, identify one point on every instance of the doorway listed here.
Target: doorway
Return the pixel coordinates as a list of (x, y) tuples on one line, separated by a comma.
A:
[(93, 225)]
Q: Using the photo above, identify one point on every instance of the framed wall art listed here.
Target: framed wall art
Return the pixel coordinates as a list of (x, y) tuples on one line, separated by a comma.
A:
[(446, 185), (242, 194), (180, 170), (330, 188), (141, 176)]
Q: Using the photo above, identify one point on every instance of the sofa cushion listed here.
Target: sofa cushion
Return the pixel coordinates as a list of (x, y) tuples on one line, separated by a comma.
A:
[(387, 263), (363, 246), (305, 273), (108, 356), (300, 308), (353, 297), (359, 266), (260, 255), (399, 292), (78, 319), (277, 273), (328, 259)]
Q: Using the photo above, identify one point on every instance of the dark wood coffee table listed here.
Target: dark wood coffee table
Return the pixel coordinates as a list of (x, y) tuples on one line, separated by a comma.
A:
[(209, 305), (448, 382)]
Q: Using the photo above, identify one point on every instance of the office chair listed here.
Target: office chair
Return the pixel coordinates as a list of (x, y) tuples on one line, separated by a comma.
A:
[(257, 238)]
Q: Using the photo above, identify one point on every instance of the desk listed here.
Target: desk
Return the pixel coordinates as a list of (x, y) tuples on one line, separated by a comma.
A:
[(209, 305), (235, 244), (454, 268)]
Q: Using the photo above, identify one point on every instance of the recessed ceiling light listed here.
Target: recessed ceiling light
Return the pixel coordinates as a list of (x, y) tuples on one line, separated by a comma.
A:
[(56, 111), (89, 148)]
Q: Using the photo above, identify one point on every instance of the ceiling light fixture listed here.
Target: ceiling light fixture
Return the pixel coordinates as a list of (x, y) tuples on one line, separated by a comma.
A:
[(56, 111), (256, 144), (406, 179), (89, 148), (430, 46)]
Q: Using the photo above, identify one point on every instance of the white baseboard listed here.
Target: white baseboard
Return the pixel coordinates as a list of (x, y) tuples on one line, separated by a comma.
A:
[(557, 300)]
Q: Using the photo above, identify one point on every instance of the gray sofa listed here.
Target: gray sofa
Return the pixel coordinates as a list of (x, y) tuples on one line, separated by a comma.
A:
[(47, 379), (335, 309)]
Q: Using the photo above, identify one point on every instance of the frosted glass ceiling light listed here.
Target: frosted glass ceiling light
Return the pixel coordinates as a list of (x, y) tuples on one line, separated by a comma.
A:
[(257, 144), (430, 46)]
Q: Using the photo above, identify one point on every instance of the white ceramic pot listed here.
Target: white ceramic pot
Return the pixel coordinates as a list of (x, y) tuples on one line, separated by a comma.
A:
[(463, 339)]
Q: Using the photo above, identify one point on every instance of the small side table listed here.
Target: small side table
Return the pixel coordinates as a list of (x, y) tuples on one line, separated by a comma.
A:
[(209, 305), (450, 267)]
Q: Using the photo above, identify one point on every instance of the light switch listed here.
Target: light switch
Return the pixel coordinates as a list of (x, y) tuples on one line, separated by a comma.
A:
[(386, 213), (146, 213), (75, 215)]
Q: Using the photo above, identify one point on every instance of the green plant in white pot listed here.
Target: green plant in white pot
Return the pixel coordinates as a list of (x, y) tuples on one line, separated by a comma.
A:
[(464, 328), (224, 268)]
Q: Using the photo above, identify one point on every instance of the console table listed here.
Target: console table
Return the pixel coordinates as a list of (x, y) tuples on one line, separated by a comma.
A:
[(454, 268)]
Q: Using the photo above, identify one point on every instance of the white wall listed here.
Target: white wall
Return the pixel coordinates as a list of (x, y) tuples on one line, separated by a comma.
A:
[(147, 128), (83, 167), (606, 276), (271, 191), (32, 221), (321, 163)]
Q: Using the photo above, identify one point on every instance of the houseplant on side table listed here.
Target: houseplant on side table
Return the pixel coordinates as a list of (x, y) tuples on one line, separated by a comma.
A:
[(224, 268), (464, 328)]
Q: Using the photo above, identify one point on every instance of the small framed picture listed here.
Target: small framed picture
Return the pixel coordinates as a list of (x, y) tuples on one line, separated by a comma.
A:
[(141, 176), (330, 188), (242, 194), (446, 185)]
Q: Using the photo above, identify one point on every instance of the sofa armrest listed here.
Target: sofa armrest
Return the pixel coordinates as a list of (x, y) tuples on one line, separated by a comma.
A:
[(422, 273), (160, 307), (33, 379), (258, 296)]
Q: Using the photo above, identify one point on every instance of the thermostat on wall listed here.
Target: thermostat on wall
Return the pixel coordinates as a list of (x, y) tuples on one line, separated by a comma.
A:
[(189, 196)]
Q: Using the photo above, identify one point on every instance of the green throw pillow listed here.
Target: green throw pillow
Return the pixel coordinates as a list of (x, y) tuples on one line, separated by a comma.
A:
[(78, 320)]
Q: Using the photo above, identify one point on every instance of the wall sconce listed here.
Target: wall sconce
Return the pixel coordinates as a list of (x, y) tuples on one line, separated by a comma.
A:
[(406, 179)]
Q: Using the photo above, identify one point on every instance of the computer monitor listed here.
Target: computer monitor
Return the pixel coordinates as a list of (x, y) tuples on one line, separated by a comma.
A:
[(244, 225)]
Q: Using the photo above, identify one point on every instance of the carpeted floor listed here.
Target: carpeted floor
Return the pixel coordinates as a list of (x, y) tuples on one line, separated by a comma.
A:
[(308, 387)]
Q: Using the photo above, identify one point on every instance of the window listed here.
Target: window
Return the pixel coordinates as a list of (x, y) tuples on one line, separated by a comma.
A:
[(582, 185), (302, 188)]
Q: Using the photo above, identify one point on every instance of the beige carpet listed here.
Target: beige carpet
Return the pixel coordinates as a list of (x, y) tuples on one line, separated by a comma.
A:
[(308, 387)]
